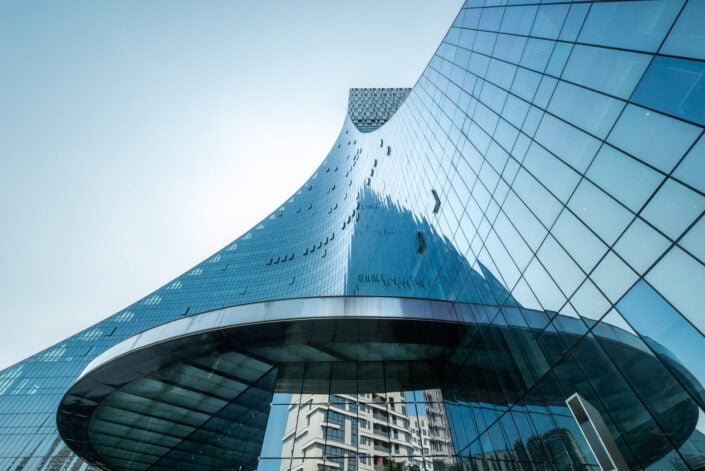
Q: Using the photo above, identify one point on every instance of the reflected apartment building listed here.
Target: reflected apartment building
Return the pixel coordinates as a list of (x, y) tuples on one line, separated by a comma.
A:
[(500, 268), (372, 432)]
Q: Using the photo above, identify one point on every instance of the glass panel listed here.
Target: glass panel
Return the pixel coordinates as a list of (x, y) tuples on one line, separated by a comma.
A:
[(525, 83), (606, 70), (549, 21), (692, 168), (539, 200), (630, 25), (580, 242), (491, 18), (589, 302), (557, 262), (666, 332), (641, 245), (694, 240), (517, 20), (674, 86), (623, 177), (680, 278), (569, 143), (600, 212), (673, 208), (543, 287), (588, 110), (509, 48), (557, 176), (574, 21), (687, 38), (544, 92), (652, 137), (561, 52), (537, 53), (613, 277)]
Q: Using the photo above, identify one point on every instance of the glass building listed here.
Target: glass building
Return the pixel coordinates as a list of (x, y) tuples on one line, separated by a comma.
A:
[(501, 268)]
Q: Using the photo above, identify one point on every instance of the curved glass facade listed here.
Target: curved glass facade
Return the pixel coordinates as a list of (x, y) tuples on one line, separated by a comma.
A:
[(548, 166)]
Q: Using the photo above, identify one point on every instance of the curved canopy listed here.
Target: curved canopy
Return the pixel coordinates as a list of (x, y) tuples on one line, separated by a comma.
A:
[(195, 393)]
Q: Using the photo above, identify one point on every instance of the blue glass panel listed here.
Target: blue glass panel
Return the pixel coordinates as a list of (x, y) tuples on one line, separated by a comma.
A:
[(554, 174), (537, 53), (558, 263), (591, 111), (549, 21), (544, 92), (560, 55), (509, 48), (537, 198), (652, 137), (641, 245), (517, 20), (673, 208), (531, 123), (694, 240), (466, 38), (531, 229), (453, 35), (569, 143), (663, 328), (525, 83), (692, 169), (630, 25), (505, 134), (543, 287), (687, 38), (484, 42), (515, 110), (613, 277), (501, 73), (579, 241), (600, 212), (674, 86), (606, 70), (680, 279), (491, 18), (574, 21), (589, 302), (623, 177), (471, 18)]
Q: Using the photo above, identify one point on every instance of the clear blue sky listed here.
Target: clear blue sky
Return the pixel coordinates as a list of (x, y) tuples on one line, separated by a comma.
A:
[(138, 137)]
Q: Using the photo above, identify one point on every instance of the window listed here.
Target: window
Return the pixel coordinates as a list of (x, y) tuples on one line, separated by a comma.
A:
[(623, 177), (673, 208), (606, 70), (687, 38), (334, 434), (652, 137), (630, 25), (674, 86)]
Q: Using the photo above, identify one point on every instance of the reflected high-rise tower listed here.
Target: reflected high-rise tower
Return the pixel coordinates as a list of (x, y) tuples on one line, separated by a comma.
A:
[(512, 250)]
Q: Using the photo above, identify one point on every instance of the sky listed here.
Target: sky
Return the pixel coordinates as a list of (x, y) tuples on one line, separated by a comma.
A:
[(137, 138)]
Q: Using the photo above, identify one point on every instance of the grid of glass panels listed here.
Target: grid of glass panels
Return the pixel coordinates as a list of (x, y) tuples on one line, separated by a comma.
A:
[(572, 129), (550, 157), (370, 108)]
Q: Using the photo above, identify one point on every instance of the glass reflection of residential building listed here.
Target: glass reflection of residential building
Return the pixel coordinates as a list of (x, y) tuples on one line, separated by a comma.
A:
[(369, 432)]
